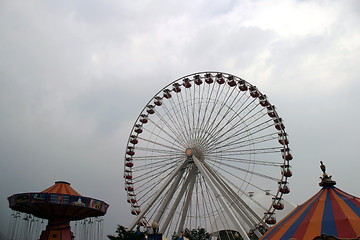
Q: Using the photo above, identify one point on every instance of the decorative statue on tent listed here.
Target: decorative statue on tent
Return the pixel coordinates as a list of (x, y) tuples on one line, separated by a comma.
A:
[(325, 179), (322, 166)]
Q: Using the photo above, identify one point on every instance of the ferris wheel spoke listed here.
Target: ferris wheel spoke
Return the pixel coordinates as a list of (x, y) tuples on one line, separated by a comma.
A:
[(204, 206), (159, 151), (177, 134), (243, 192), (208, 110), (145, 189), (213, 205), (199, 103), (182, 117), (216, 127), (158, 164), (172, 114), (210, 124), (157, 143), (160, 173), (245, 170), (156, 172), (237, 152), (257, 129), (175, 138), (187, 112), (240, 142), (158, 157), (236, 114), (210, 103), (247, 213), (213, 124), (245, 181), (158, 193), (237, 160), (206, 99), (247, 127)]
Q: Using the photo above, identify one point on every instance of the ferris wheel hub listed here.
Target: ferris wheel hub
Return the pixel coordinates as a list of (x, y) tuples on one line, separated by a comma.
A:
[(188, 152)]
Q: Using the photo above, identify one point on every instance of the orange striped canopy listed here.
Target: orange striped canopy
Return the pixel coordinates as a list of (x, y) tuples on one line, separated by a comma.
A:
[(331, 211), (61, 187), (59, 201)]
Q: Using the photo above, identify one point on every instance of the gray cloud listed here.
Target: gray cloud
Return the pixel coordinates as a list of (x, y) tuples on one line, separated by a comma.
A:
[(75, 75)]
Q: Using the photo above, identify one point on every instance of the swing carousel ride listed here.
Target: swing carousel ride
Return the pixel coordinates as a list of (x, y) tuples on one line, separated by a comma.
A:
[(59, 204)]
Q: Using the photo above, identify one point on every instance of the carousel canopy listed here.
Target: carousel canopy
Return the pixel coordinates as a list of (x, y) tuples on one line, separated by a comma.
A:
[(331, 211), (61, 187), (59, 201)]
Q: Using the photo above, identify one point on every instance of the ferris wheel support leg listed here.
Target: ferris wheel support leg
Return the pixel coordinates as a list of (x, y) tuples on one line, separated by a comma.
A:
[(242, 208), (169, 195), (226, 194), (230, 213), (187, 203), (157, 194), (179, 197)]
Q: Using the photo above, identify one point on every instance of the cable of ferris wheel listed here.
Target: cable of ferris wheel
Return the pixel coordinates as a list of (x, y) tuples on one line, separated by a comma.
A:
[(215, 125), (244, 142), (239, 132), (230, 213), (209, 125), (155, 172), (206, 108), (178, 136), (227, 195), (220, 216), (149, 189), (171, 147), (206, 116), (180, 116), (247, 171), (241, 204)]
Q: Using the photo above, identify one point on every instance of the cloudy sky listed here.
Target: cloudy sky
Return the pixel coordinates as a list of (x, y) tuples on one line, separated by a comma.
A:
[(74, 75)]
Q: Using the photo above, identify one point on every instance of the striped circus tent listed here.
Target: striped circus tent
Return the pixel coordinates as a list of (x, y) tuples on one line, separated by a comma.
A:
[(331, 211), (183, 238)]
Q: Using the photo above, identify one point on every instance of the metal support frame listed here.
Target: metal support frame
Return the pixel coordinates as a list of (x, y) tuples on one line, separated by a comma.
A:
[(212, 182), (179, 197), (244, 210), (187, 202), (169, 195), (158, 193)]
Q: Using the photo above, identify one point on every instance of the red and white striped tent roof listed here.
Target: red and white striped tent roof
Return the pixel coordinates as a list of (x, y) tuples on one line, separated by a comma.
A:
[(331, 211)]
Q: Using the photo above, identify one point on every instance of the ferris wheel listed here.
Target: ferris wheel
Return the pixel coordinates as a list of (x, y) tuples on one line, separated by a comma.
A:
[(200, 150)]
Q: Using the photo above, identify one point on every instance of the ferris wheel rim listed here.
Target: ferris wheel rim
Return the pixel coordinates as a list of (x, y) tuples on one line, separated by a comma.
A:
[(283, 179)]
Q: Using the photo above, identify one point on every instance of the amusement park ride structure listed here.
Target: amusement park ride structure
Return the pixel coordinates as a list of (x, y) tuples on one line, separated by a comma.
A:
[(59, 204), (199, 151)]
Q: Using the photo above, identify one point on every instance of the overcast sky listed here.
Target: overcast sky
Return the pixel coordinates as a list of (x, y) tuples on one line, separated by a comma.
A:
[(74, 75)]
